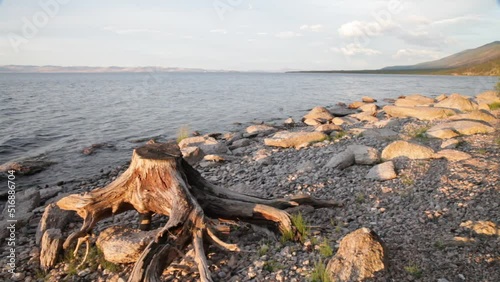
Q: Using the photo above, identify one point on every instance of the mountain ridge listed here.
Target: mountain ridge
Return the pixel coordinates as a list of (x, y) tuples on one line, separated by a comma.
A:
[(480, 61), (465, 58)]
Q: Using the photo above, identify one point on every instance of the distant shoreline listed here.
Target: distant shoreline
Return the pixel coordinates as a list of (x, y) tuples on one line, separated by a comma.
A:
[(407, 72)]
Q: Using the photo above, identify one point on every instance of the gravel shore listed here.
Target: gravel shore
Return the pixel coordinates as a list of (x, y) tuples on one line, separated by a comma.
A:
[(438, 218)]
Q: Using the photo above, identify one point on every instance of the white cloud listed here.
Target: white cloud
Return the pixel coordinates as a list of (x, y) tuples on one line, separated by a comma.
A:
[(130, 30), (262, 33), (313, 28), (359, 29), (417, 54), (355, 49), (425, 38), (287, 34), (220, 31), (457, 20)]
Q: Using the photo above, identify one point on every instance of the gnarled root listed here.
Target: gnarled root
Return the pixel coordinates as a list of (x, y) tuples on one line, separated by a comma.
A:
[(159, 181)]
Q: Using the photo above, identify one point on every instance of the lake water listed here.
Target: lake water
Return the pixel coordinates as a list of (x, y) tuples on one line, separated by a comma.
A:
[(57, 115)]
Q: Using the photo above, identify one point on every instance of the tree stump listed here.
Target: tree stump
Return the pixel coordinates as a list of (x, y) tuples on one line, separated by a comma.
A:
[(160, 181)]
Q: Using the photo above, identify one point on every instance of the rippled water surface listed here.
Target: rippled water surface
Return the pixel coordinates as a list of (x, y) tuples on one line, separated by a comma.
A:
[(55, 116)]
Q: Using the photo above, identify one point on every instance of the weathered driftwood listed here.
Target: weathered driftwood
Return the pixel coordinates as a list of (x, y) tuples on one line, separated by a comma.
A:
[(160, 181), (50, 247)]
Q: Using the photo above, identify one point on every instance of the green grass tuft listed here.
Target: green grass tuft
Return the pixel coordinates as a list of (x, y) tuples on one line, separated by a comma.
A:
[(339, 135), (494, 106), (325, 250), (360, 198), (263, 249), (183, 133), (272, 266), (319, 273), (300, 225), (440, 245), (414, 270), (407, 180)]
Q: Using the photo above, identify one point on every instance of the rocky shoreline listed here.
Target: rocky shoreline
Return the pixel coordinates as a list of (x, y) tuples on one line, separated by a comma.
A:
[(423, 173)]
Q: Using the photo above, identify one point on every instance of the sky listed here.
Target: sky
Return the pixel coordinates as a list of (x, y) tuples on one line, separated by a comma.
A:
[(244, 35)]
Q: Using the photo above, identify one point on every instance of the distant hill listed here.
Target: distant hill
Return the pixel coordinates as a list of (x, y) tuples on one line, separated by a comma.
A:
[(86, 69), (468, 58), (484, 60)]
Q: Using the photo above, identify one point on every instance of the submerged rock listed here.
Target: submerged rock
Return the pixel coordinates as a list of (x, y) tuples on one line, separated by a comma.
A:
[(367, 99), (27, 166)]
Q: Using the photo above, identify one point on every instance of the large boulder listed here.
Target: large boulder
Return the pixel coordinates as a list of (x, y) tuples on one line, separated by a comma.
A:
[(355, 105), (208, 145), (409, 103), (371, 108), (344, 121), (421, 113), (354, 154), (328, 128), (192, 154), (312, 122), (457, 101), (383, 171), (361, 256), (318, 114), (364, 155), (441, 97), (287, 139), (480, 115), (452, 155), (488, 97), (464, 127), (121, 244), (414, 100), (341, 160), (450, 143), (260, 129), (441, 133), (406, 149), (365, 116)]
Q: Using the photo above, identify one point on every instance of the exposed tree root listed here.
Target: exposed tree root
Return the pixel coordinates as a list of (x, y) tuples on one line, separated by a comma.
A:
[(158, 180)]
